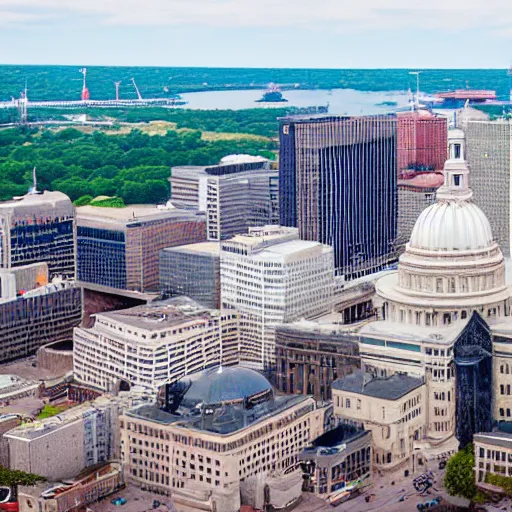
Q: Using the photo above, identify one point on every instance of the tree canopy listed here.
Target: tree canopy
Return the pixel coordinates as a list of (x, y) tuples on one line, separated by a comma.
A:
[(14, 478), (134, 167), (459, 477)]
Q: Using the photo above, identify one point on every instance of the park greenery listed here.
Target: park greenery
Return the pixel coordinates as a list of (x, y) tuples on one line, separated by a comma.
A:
[(459, 477), (50, 410), (133, 166)]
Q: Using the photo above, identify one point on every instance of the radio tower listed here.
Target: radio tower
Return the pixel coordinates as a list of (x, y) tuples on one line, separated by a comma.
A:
[(139, 95), (85, 91), (117, 84), (22, 105)]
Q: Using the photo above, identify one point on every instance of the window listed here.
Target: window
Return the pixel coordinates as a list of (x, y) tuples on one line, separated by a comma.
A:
[(358, 404), (457, 152), (439, 285), (347, 403), (456, 178)]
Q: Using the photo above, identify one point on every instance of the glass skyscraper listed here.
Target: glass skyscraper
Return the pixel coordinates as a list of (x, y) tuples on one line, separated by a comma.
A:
[(342, 172)]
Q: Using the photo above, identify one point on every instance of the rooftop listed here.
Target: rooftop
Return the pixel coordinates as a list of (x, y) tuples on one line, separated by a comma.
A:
[(129, 215), (390, 388), (160, 315), (209, 248), (497, 438), (36, 199)]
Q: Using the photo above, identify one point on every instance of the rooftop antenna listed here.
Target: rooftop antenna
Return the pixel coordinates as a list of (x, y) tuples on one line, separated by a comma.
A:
[(136, 89), (417, 102), (117, 84)]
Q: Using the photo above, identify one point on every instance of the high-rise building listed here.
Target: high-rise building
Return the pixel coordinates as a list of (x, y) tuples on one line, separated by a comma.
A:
[(39, 227), (271, 277), (119, 247), (422, 141), (343, 174), (488, 146), (192, 270), (240, 192), (154, 344), (35, 312)]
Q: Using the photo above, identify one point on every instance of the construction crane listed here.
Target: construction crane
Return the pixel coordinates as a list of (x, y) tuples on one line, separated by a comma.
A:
[(117, 84), (139, 96)]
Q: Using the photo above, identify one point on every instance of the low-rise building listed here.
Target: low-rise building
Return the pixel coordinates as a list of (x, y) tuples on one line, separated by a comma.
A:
[(392, 408), (272, 277), (493, 455), (192, 270), (60, 447), (339, 460), (218, 428), (119, 247), (153, 344)]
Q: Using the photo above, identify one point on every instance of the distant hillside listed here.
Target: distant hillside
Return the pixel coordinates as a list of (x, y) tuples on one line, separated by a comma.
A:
[(65, 82)]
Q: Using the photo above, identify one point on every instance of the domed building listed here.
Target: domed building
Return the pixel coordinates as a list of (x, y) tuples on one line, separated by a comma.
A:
[(220, 438), (437, 314)]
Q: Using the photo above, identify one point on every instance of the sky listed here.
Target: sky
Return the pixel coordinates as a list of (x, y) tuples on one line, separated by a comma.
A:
[(258, 33)]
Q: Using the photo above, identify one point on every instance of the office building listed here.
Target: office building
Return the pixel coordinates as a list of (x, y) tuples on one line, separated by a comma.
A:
[(119, 247), (343, 174), (60, 447), (153, 344), (332, 352), (271, 277), (488, 155), (35, 312), (192, 270), (422, 141), (240, 192), (39, 227), (220, 433)]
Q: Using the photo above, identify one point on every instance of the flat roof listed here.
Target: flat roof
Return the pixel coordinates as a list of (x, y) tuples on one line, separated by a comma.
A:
[(211, 248), (390, 388), (35, 199), (408, 332), (502, 439), (131, 214), (159, 315)]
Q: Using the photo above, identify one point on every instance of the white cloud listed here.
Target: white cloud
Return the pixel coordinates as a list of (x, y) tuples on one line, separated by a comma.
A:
[(333, 14)]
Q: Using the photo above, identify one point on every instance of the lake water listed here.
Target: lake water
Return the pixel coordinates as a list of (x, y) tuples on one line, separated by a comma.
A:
[(341, 101)]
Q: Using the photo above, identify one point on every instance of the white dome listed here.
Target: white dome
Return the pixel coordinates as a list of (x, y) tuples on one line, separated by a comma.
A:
[(452, 226)]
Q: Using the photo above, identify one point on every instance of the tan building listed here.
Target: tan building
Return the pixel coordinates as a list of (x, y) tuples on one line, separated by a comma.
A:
[(493, 454), (392, 408), (220, 427)]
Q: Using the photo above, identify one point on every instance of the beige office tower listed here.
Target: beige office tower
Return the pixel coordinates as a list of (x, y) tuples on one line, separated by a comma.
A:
[(488, 155)]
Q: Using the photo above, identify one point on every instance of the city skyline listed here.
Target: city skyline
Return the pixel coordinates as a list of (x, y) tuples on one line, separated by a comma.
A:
[(266, 34)]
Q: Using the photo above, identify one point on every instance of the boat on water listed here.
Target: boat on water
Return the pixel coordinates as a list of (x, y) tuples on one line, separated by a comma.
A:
[(461, 97), (272, 95)]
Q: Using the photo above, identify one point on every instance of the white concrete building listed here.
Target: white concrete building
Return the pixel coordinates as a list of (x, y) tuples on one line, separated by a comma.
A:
[(272, 277), (240, 192), (154, 344)]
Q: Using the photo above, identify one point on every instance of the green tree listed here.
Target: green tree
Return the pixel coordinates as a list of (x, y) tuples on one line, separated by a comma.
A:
[(13, 479), (459, 478), (83, 201)]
